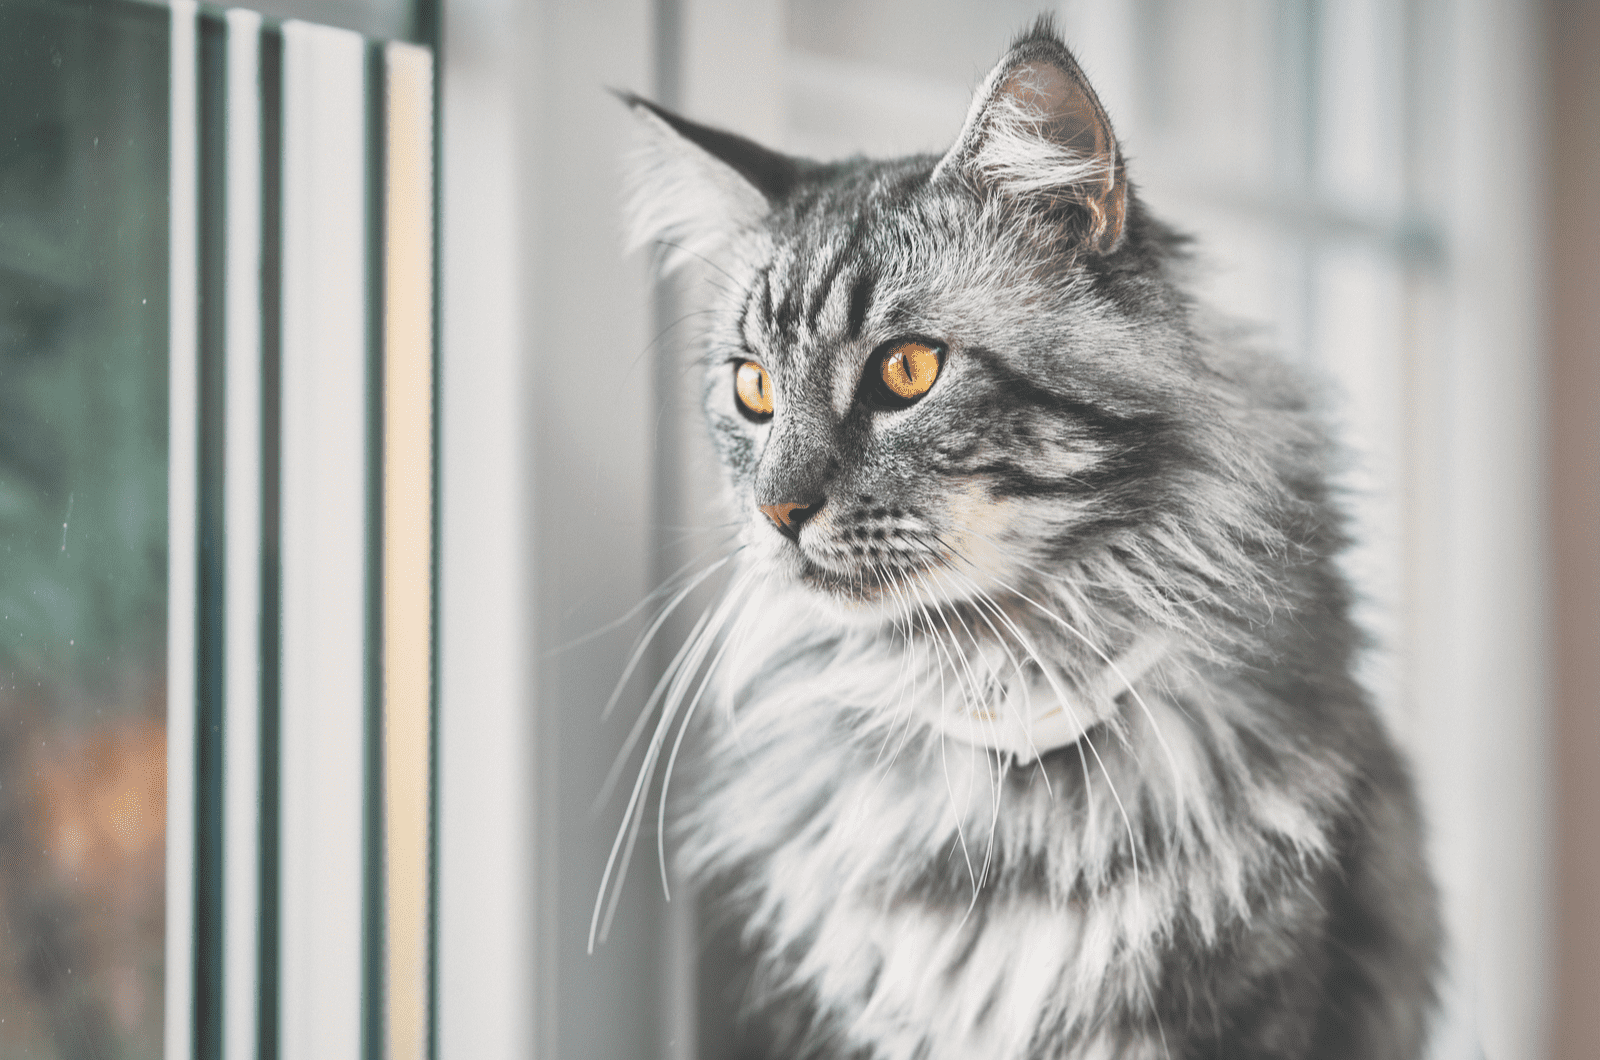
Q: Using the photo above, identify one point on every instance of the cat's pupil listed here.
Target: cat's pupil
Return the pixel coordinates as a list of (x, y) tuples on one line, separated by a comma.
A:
[(898, 364)]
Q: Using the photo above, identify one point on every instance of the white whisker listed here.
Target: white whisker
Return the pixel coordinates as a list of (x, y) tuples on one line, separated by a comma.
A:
[(995, 785), (943, 748), (986, 601), (677, 744), (655, 627), (1132, 842), (614, 774), (901, 615), (685, 665), (1086, 741), (1179, 785)]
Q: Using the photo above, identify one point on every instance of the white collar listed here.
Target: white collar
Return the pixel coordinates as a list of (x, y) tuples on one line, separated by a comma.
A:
[(1030, 721)]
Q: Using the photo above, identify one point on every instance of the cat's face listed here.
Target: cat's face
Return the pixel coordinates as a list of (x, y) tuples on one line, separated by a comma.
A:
[(919, 379), (902, 393)]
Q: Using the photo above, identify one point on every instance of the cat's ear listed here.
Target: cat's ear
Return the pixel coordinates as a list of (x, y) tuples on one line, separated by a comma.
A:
[(1037, 132), (692, 187)]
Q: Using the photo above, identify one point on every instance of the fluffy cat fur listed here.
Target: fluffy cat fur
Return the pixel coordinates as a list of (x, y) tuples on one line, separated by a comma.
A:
[(1106, 512)]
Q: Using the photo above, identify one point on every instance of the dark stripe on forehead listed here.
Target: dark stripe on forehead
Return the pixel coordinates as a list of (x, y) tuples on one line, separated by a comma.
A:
[(766, 293), (744, 310), (860, 301), (787, 315), (848, 252), (830, 276)]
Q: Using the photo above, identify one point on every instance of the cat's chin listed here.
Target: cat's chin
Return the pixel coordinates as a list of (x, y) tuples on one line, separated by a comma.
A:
[(848, 608), (854, 592), (858, 599)]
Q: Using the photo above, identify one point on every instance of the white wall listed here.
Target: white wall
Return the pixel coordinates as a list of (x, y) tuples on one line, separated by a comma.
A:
[(546, 531)]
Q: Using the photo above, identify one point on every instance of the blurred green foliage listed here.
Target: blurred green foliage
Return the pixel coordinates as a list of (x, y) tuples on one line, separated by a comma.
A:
[(83, 338)]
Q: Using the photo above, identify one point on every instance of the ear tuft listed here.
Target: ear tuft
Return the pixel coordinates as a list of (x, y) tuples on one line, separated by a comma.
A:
[(1037, 133), (691, 188)]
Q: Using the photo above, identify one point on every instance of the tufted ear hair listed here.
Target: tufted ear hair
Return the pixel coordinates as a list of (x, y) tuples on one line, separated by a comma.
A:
[(1036, 132), (691, 187)]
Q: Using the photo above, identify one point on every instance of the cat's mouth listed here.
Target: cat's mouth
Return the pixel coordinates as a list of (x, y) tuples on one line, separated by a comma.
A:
[(861, 584), (873, 584)]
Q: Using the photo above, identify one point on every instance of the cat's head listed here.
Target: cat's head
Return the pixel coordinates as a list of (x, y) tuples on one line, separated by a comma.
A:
[(933, 374)]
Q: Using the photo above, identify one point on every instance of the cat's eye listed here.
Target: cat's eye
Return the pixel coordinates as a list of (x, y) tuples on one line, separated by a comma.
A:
[(906, 371), (752, 386)]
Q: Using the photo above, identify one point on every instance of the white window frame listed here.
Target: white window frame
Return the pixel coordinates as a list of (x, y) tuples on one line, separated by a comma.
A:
[(354, 672)]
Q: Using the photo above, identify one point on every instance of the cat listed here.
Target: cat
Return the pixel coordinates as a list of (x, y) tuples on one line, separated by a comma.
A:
[(1036, 730)]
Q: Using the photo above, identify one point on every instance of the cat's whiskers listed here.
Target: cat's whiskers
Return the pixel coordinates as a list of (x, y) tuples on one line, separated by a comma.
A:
[(683, 728), (664, 332), (641, 780), (669, 691), (614, 774), (649, 634), (729, 713), (668, 585), (1085, 741), (1027, 646), (899, 613), (636, 731), (908, 725), (670, 245), (984, 600), (1066, 704), (1180, 787), (1143, 977), (996, 786), (944, 754)]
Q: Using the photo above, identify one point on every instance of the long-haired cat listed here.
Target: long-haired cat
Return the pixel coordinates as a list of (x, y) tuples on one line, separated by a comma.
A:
[(1035, 733)]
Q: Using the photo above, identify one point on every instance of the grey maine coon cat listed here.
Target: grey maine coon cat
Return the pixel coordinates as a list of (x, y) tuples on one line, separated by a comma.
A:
[(1032, 730)]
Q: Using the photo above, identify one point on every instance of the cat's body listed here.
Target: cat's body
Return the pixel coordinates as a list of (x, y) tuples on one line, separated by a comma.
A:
[(1038, 734)]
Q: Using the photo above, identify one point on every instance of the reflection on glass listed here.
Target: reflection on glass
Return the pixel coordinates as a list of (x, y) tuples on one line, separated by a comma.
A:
[(83, 422)]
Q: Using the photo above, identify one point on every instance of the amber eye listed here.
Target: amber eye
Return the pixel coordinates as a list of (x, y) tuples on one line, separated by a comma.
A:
[(753, 387), (909, 369)]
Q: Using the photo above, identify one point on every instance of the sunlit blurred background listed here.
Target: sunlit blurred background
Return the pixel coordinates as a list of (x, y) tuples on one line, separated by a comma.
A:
[(83, 420), (1404, 195)]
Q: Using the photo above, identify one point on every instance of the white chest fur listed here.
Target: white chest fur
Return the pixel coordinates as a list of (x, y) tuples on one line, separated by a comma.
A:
[(915, 980), (939, 899)]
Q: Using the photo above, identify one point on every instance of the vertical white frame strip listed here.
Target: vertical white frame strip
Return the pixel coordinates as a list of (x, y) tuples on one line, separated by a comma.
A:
[(407, 540), (489, 1001), (242, 522), (183, 392), (323, 540), (1486, 706)]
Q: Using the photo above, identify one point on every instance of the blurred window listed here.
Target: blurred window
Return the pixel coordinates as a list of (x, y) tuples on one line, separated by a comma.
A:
[(83, 528), (216, 451)]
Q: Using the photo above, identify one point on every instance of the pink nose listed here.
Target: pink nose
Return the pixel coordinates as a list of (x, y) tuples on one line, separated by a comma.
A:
[(788, 517)]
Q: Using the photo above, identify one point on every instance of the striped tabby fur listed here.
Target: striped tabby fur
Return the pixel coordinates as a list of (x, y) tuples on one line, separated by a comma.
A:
[(1222, 856)]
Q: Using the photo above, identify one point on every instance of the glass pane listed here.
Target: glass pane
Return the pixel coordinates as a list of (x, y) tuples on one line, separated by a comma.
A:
[(83, 454)]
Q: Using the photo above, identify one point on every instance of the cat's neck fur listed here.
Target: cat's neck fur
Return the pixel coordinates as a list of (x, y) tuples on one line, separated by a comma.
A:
[(847, 814)]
